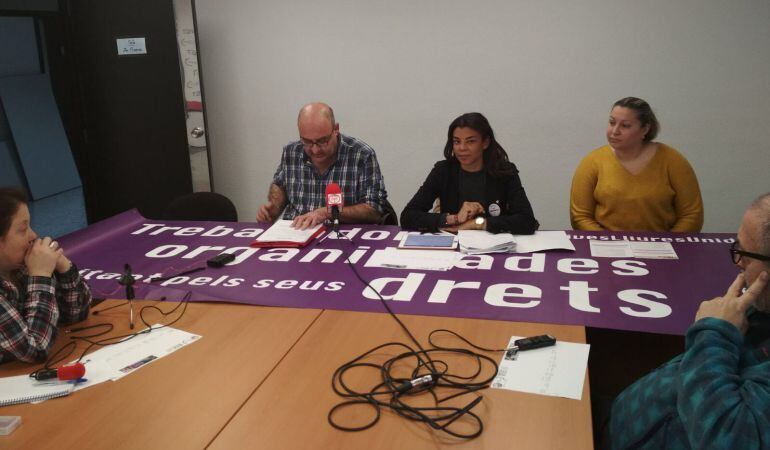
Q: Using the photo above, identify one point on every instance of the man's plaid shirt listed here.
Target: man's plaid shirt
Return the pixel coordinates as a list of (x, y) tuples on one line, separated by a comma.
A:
[(29, 316), (356, 171)]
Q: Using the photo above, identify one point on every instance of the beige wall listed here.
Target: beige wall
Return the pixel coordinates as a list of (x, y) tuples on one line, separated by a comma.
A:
[(544, 73)]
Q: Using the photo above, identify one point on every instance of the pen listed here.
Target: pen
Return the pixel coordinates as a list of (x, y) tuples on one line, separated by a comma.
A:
[(394, 266)]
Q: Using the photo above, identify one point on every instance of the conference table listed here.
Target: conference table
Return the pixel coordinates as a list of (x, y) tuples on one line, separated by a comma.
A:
[(260, 377)]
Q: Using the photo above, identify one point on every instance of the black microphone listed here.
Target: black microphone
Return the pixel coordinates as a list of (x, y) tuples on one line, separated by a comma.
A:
[(127, 280)]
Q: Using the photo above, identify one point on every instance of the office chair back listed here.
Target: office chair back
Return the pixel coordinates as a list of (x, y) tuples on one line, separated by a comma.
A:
[(389, 216), (201, 206)]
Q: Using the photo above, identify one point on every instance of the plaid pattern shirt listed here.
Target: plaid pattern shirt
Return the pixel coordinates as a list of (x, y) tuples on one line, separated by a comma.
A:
[(356, 171), (714, 395), (29, 316)]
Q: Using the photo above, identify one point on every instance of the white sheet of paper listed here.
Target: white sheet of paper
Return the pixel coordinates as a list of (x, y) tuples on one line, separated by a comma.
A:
[(543, 240), (282, 231), (394, 258), (557, 371), (653, 250), (632, 249), (610, 249), (116, 361)]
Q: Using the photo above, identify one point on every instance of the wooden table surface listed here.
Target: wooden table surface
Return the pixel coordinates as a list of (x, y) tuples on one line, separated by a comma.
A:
[(289, 410), (180, 401)]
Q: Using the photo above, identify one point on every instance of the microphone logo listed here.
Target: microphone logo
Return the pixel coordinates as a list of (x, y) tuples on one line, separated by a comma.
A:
[(334, 199)]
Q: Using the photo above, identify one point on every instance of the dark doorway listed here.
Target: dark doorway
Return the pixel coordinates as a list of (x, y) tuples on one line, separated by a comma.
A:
[(124, 114)]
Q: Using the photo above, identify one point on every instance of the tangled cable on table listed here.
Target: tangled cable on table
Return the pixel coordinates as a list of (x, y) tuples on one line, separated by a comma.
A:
[(429, 376)]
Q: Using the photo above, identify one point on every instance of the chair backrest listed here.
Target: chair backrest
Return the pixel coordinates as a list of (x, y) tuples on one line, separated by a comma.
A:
[(389, 216), (201, 206)]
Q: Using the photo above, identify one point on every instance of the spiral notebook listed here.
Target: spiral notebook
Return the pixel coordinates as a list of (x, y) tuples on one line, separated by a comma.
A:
[(23, 389)]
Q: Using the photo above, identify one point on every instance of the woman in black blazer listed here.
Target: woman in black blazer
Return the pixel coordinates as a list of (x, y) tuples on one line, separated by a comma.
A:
[(477, 187)]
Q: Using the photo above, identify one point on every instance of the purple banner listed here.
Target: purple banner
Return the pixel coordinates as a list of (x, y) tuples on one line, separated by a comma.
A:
[(564, 287)]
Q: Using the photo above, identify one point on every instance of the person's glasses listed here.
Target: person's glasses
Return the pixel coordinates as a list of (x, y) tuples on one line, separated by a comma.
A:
[(308, 144), (736, 254)]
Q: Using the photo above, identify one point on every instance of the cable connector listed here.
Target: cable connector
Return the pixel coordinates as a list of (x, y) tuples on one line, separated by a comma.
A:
[(407, 386)]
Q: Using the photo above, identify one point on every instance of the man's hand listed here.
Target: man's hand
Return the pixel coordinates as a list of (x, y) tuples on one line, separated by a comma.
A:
[(469, 211), (267, 212), (732, 306), (310, 219), (276, 201)]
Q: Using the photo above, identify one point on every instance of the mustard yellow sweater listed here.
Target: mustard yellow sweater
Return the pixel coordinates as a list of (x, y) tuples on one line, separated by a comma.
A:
[(664, 196)]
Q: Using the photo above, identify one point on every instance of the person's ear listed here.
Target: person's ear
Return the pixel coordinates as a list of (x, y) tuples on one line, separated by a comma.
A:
[(645, 130)]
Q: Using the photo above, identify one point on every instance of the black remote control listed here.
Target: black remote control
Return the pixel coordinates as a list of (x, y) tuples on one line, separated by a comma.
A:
[(545, 340)]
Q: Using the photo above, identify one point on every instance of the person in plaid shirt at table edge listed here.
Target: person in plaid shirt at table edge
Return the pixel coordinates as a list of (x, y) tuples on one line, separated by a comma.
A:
[(323, 155), (717, 393), (39, 286)]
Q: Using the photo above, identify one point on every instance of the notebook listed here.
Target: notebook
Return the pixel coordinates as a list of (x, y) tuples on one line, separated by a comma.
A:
[(23, 389), (282, 234)]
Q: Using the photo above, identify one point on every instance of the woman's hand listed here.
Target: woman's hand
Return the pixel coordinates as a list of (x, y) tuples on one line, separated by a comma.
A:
[(63, 264), (469, 211), (43, 257)]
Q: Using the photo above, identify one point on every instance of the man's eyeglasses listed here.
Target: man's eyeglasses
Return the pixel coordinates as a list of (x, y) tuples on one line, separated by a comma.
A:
[(737, 254), (308, 144)]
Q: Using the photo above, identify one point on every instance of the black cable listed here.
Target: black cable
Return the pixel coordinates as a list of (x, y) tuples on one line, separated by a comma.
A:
[(168, 277), (55, 358), (126, 337), (429, 375)]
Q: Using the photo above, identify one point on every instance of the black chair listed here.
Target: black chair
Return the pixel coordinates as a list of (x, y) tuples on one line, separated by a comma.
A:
[(389, 216), (201, 206)]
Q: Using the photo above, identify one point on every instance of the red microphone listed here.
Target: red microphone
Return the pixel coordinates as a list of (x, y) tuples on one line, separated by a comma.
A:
[(72, 372), (334, 204)]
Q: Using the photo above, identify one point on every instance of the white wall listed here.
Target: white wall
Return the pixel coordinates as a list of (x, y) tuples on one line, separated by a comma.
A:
[(545, 73)]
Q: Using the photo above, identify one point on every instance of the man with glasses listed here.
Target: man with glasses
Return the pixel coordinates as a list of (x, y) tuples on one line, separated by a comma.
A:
[(321, 156), (717, 393)]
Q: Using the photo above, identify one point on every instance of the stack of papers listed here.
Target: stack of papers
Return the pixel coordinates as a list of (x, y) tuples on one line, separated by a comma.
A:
[(282, 234), (477, 242), (543, 240), (393, 258)]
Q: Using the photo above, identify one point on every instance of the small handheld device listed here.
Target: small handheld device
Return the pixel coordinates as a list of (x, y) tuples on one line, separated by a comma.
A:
[(220, 260), (530, 343)]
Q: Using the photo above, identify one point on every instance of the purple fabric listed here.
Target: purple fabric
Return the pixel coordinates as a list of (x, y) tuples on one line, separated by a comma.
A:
[(659, 296)]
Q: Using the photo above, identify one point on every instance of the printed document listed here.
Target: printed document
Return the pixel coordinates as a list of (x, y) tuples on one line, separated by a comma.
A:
[(394, 258), (283, 232), (632, 249), (557, 371), (113, 362)]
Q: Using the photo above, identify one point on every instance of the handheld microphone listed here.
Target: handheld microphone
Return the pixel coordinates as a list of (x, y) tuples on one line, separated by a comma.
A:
[(334, 203), (73, 372)]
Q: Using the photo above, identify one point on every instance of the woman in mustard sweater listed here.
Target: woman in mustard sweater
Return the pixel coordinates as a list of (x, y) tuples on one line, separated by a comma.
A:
[(635, 184)]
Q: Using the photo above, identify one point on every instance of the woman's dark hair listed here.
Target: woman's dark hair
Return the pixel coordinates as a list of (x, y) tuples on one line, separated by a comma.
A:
[(643, 113), (10, 200), (495, 158)]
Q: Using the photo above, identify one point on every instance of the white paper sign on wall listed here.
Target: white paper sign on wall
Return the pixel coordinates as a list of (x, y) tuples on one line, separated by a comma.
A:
[(131, 46)]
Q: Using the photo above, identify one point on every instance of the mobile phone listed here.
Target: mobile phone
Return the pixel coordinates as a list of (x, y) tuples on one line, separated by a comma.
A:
[(220, 260)]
